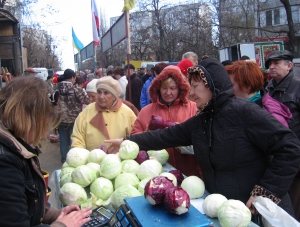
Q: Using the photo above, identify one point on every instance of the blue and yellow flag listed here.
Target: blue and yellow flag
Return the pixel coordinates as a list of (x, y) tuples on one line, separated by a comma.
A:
[(128, 5), (76, 42)]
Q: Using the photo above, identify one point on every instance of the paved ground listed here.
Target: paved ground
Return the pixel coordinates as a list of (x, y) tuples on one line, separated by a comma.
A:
[(50, 161)]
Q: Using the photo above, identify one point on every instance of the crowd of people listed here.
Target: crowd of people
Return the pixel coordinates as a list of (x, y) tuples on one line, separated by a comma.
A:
[(242, 123)]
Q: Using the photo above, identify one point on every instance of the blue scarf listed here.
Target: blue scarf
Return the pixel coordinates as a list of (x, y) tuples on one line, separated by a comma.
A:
[(254, 97)]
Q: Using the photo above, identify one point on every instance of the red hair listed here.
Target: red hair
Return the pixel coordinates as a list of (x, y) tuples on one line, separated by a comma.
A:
[(229, 68), (174, 73), (247, 75)]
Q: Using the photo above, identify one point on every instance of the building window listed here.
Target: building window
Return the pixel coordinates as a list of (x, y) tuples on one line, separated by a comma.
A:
[(262, 19), (276, 16), (296, 14), (269, 18)]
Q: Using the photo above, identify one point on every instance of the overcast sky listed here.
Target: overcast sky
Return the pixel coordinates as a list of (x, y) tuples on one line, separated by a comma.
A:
[(76, 13)]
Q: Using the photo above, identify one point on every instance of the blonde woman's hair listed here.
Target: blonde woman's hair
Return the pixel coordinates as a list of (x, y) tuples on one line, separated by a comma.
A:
[(167, 81), (25, 108)]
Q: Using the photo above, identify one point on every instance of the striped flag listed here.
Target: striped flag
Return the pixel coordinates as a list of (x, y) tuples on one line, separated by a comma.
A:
[(95, 23), (76, 42)]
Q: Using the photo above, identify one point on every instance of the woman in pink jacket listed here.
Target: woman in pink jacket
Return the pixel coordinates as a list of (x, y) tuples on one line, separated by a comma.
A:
[(168, 93)]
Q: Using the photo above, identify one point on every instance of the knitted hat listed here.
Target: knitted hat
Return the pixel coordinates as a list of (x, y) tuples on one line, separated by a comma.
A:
[(109, 84), (68, 74), (91, 86), (55, 80), (184, 65)]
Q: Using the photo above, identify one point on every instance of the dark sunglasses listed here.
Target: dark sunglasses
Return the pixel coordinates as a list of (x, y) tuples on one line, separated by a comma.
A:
[(54, 97)]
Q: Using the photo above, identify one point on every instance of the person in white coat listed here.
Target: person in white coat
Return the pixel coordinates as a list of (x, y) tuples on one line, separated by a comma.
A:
[(118, 74)]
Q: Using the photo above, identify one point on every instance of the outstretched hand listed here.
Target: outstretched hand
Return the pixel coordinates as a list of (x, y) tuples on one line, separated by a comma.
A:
[(68, 209), (115, 145), (251, 206), (113, 149), (75, 218)]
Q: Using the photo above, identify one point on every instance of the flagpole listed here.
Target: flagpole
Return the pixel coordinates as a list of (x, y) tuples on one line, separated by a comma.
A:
[(73, 48), (128, 53), (74, 58), (95, 59), (96, 29)]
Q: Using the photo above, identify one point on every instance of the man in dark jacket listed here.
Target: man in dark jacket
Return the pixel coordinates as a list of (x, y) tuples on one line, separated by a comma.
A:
[(147, 75), (285, 88), (232, 140), (134, 86), (141, 72)]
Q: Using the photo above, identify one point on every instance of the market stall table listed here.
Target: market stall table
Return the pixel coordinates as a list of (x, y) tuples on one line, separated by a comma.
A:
[(197, 203)]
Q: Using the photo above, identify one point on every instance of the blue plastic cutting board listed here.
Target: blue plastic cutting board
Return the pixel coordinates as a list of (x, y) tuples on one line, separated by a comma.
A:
[(149, 216)]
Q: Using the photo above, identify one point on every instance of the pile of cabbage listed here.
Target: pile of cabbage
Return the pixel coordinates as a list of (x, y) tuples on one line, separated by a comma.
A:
[(95, 178)]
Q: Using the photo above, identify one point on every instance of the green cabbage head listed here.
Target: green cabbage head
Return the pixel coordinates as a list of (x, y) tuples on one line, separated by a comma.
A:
[(234, 213), (72, 194), (130, 166), (65, 179), (194, 186), (95, 166), (110, 166), (102, 188), (77, 156), (212, 204), (84, 175), (128, 150), (65, 171), (149, 168), (126, 178), (125, 191), (160, 155), (96, 156)]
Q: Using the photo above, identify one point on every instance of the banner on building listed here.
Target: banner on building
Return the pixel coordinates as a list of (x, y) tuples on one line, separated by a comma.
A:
[(264, 49)]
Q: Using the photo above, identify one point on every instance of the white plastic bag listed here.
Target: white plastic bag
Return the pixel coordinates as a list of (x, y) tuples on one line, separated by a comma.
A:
[(186, 149), (273, 215)]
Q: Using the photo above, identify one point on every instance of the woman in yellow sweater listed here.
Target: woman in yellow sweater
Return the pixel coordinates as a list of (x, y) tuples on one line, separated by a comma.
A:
[(106, 118)]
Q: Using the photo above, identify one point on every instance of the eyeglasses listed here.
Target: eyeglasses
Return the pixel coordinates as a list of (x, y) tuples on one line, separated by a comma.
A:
[(54, 97)]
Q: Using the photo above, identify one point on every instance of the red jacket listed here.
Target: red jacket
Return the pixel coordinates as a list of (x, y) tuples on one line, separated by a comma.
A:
[(181, 110)]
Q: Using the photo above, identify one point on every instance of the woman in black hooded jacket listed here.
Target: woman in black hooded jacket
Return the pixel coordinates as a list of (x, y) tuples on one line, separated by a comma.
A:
[(232, 140)]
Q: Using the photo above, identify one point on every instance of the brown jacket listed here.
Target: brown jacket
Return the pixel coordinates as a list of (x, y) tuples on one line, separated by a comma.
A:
[(131, 106), (136, 88), (23, 186)]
